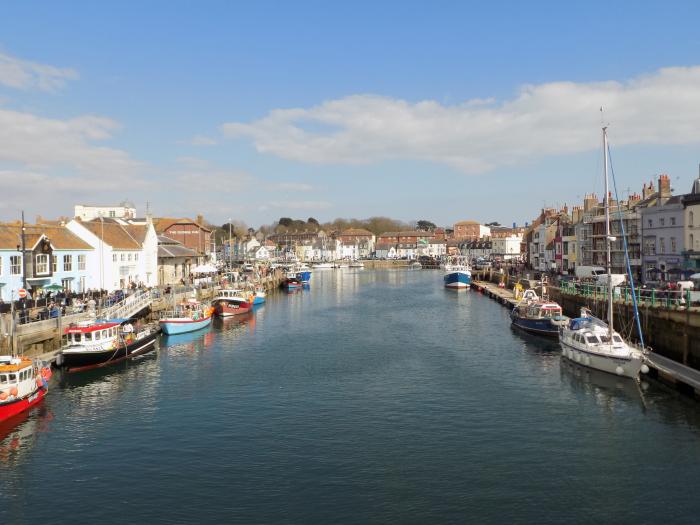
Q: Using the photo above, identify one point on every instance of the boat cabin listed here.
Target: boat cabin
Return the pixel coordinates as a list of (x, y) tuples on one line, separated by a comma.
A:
[(90, 332), (544, 311), (16, 377)]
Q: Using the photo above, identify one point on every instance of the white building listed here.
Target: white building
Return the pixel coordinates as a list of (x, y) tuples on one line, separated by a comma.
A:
[(507, 248), (124, 210), (125, 253)]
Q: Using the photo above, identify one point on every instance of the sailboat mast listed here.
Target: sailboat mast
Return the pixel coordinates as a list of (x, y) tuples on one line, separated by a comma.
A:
[(607, 233)]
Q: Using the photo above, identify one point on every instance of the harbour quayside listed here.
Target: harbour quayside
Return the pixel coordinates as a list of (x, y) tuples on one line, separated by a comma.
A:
[(592, 342)]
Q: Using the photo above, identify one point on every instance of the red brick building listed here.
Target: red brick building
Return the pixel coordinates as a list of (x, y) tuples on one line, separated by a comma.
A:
[(191, 234)]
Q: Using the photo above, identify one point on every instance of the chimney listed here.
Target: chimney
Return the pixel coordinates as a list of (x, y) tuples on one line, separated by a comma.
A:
[(590, 201), (664, 186), (200, 220), (647, 190)]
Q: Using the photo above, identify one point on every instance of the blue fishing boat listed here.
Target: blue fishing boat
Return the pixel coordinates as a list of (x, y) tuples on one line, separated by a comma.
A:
[(537, 316), (304, 276), (457, 273), (187, 317), (259, 297)]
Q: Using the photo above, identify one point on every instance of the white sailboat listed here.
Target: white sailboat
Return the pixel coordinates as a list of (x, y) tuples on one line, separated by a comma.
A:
[(590, 341)]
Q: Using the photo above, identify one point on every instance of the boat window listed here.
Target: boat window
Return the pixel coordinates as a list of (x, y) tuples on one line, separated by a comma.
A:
[(605, 338), (77, 337), (617, 339), (3, 378), (13, 378), (88, 336), (97, 336), (105, 334), (591, 339)]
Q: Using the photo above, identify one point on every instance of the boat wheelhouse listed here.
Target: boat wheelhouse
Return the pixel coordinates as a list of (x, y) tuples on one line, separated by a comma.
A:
[(538, 315)]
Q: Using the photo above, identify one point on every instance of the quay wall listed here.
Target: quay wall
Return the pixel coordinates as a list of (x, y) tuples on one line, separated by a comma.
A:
[(375, 264)]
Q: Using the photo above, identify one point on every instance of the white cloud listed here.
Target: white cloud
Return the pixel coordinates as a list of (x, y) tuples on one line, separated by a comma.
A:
[(299, 205), (22, 74), (39, 144), (201, 140), (290, 186), (478, 135)]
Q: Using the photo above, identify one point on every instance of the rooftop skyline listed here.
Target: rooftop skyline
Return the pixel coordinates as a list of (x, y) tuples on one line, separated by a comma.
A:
[(313, 110)]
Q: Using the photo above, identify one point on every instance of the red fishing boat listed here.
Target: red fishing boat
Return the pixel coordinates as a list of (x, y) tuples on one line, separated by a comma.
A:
[(23, 384), (232, 302)]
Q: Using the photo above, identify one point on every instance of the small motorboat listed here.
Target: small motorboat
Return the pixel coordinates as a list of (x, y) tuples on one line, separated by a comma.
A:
[(538, 315), (188, 316)]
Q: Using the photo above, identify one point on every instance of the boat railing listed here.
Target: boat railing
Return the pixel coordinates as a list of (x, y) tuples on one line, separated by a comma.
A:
[(671, 299)]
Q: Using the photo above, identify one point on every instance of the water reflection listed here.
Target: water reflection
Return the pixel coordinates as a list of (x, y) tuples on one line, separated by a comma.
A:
[(20, 433)]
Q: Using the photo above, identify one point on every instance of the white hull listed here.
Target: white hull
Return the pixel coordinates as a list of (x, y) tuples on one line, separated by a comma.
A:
[(624, 367), (457, 285)]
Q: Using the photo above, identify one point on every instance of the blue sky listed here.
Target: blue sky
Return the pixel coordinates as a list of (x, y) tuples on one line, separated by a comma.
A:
[(443, 111)]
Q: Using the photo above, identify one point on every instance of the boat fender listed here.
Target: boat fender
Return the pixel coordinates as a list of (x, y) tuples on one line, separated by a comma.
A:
[(644, 369), (619, 370), (13, 391), (39, 381), (3, 396)]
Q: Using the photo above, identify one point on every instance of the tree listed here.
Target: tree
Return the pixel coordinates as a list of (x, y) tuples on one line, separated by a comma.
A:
[(313, 221), (425, 226), (285, 221)]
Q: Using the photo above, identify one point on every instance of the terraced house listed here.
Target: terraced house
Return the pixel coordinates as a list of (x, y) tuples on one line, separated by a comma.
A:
[(53, 255), (126, 254)]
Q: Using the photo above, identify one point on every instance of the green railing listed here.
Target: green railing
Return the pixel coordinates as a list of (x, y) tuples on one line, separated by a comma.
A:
[(656, 298)]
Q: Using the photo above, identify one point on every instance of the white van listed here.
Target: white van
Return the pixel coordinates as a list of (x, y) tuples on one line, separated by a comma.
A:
[(589, 272), (617, 279)]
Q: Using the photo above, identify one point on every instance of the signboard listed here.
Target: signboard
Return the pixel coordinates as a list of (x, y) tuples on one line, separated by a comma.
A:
[(22, 293)]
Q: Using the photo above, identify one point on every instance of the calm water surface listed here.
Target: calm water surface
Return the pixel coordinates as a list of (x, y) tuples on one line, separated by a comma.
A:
[(372, 397)]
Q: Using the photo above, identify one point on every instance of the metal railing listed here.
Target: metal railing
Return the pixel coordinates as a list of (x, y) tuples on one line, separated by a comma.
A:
[(129, 306), (656, 298)]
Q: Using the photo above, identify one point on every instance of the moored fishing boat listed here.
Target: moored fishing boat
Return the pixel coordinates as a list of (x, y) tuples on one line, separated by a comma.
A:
[(292, 282), (457, 273), (23, 383), (304, 276), (323, 266), (537, 315), (98, 343), (187, 317), (259, 296), (232, 302)]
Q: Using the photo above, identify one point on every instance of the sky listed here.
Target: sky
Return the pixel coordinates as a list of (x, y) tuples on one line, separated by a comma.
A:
[(253, 111)]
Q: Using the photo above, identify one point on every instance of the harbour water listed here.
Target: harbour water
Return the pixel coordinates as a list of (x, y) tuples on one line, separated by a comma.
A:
[(374, 396)]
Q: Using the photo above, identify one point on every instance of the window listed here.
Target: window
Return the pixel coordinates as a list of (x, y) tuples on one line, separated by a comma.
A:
[(66, 284), (15, 265), (591, 339), (673, 221), (692, 245), (690, 219), (662, 245), (673, 245), (650, 223), (136, 257), (67, 263), (42, 263), (54, 263), (112, 213), (123, 257), (129, 257), (114, 257), (81, 262), (662, 221), (0, 265)]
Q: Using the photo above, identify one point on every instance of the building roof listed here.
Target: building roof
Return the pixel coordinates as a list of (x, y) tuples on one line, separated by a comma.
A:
[(356, 232), (163, 223), (383, 246), (407, 234), (61, 238), (466, 223), (118, 236)]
